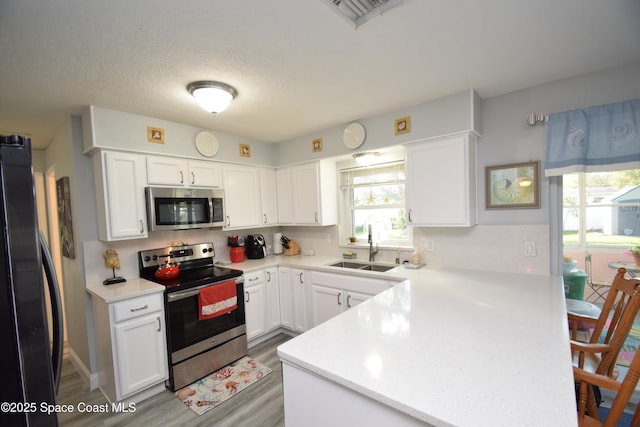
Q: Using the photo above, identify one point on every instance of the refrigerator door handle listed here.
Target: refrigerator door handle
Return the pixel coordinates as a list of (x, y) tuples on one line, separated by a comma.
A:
[(56, 311)]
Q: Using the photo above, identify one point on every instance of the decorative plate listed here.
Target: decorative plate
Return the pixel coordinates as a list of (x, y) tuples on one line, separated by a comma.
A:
[(353, 136), (207, 144)]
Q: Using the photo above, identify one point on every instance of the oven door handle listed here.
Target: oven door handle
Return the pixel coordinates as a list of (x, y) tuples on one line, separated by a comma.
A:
[(176, 296)]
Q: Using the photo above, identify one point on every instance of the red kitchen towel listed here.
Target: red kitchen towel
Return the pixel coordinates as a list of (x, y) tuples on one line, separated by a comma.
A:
[(217, 300)]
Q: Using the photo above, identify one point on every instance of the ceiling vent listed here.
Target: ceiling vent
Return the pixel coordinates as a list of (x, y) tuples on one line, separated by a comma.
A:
[(357, 12)]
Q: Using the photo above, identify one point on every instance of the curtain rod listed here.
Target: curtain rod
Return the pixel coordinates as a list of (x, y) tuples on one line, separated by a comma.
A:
[(536, 118)]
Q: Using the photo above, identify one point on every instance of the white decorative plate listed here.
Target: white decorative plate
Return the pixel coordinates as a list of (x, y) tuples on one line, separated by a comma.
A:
[(353, 136), (207, 144)]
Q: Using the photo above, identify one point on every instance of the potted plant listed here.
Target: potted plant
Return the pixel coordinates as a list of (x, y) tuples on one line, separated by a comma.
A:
[(635, 253)]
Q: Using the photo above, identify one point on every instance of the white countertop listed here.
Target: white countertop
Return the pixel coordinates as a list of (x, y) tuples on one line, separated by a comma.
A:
[(125, 290), (463, 348)]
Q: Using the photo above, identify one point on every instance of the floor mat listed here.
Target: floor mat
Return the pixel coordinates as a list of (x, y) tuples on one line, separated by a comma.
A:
[(211, 391)]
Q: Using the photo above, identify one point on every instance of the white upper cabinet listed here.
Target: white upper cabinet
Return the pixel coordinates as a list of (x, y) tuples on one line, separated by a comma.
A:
[(120, 182), (268, 196), (307, 194), (180, 172), (242, 199), (284, 196), (441, 182), (204, 174)]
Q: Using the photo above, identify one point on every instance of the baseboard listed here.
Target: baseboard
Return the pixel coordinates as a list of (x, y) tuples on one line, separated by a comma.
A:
[(89, 379), (262, 338)]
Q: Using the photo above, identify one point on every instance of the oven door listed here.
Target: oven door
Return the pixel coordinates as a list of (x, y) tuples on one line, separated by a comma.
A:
[(186, 331)]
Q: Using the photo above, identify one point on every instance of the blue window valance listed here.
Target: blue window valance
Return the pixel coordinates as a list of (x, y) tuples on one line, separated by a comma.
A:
[(601, 138)]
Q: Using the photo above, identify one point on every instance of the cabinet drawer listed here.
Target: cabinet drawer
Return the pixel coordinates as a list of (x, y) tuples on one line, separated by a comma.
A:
[(253, 278), (136, 307)]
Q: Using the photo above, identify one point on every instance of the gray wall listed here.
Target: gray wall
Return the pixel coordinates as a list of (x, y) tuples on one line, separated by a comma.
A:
[(494, 244)]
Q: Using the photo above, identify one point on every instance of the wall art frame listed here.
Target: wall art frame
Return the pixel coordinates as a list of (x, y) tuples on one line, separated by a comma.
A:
[(513, 186), (402, 125), (316, 145), (155, 135)]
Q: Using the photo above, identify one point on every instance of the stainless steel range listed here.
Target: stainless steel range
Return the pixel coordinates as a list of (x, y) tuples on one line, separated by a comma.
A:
[(196, 347)]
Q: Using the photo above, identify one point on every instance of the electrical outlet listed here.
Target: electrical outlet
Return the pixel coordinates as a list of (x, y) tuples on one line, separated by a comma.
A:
[(428, 245), (530, 249)]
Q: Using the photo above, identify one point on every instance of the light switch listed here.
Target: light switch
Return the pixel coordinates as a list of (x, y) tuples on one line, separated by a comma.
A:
[(530, 249)]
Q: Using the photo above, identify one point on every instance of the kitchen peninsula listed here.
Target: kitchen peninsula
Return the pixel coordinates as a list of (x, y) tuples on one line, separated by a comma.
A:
[(444, 348)]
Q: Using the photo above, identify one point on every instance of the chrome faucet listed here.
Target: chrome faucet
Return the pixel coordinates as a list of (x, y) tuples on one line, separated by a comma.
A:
[(372, 253)]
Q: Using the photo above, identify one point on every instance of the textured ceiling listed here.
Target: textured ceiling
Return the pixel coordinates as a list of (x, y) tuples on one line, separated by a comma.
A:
[(297, 65)]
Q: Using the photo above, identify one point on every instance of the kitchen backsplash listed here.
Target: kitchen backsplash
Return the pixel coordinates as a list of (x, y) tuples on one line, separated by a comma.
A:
[(483, 247)]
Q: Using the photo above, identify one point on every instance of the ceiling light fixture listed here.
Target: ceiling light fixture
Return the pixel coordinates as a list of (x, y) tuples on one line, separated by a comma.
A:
[(366, 159), (213, 97)]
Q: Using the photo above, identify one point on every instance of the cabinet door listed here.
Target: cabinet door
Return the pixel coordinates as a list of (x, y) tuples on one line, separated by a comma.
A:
[(355, 298), (140, 353), (254, 304), (305, 194), (242, 196), (286, 297), (326, 303), (166, 171), (440, 182), (299, 299), (272, 291), (268, 196), (284, 196), (125, 211), (205, 174)]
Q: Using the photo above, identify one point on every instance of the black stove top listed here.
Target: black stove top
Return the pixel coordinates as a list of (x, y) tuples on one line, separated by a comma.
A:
[(196, 266)]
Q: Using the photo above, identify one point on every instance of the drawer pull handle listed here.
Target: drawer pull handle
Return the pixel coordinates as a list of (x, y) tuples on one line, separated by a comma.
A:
[(159, 324), (144, 307), (193, 178), (349, 301), (268, 276), (181, 178), (339, 295)]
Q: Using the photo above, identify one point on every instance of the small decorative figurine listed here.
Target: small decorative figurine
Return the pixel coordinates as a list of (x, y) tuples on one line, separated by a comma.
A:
[(112, 261)]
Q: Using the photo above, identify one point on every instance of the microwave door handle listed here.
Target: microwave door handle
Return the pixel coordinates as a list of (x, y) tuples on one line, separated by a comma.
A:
[(211, 217)]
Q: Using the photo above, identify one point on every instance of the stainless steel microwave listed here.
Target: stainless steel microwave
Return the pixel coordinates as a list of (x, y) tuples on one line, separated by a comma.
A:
[(184, 208)]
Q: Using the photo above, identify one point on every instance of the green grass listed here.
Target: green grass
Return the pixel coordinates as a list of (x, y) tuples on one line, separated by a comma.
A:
[(599, 238)]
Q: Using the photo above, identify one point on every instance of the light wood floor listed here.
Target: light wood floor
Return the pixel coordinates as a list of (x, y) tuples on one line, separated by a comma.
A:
[(261, 404)]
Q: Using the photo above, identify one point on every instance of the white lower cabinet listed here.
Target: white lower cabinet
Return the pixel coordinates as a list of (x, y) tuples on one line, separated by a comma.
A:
[(292, 298), (254, 304), (272, 292), (331, 294), (131, 344)]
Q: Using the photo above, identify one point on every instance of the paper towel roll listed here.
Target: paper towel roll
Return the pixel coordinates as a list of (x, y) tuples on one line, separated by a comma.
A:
[(277, 245)]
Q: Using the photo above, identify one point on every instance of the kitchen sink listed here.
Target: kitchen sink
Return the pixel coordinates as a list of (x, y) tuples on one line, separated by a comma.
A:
[(378, 267), (361, 266)]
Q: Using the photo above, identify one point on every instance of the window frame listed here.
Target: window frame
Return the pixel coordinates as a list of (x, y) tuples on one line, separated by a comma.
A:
[(582, 206), (347, 208)]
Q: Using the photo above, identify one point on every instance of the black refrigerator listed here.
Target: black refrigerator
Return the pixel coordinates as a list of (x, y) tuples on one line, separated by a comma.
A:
[(30, 363)]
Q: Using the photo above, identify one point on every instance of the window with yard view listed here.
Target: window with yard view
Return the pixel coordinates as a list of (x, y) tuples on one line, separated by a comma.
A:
[(601, 209), (374, 195)]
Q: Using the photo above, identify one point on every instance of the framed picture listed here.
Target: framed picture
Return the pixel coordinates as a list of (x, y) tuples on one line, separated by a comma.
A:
[(65, 224), (245, 150), (402, 125), (316, 145), (513, 186), (155, 135)]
